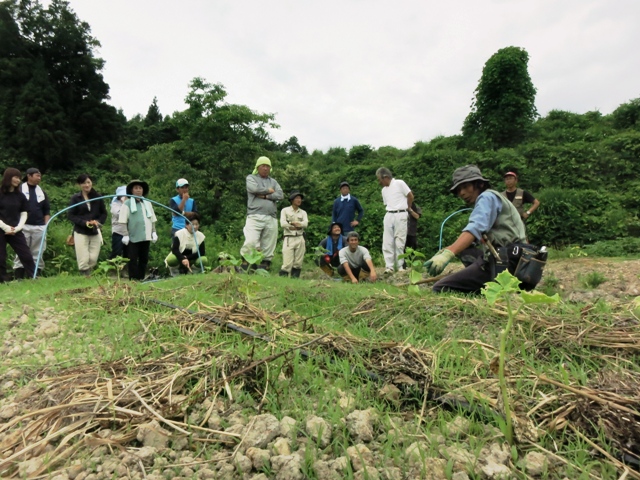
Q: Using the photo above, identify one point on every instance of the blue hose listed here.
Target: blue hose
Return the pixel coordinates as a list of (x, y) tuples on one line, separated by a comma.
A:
[(44, 236), (445, 221)]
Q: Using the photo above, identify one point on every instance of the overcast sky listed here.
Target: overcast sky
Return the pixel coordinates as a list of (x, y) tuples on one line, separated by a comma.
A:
[(353, 72)]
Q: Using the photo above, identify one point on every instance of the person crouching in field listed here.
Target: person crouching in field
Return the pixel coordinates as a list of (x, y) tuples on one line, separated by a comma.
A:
[(184, 248), (138, 215), (355, 261), (331, 245), (493, 217)]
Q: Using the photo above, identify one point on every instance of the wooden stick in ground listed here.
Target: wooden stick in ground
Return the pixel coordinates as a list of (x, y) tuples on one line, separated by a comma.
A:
[(426, 280), (590, 396), (609, 457)]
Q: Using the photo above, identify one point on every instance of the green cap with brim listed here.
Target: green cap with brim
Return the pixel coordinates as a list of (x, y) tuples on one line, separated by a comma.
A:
[(468, 173)]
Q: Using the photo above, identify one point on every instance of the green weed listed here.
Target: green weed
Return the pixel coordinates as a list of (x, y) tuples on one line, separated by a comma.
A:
[(592, 280)]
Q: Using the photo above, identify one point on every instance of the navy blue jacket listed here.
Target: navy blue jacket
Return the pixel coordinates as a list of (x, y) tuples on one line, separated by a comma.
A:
[(344, 212)]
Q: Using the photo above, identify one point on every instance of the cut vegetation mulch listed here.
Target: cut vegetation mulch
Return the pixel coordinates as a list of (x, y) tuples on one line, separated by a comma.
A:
[(61, 413)]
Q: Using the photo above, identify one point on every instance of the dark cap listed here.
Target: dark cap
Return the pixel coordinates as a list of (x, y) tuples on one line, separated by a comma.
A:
[(295, 194), (465, 174), (345, 184), (31, 171), (332, 225)]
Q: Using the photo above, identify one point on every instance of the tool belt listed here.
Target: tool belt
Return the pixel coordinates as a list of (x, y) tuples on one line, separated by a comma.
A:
[(524, 261)]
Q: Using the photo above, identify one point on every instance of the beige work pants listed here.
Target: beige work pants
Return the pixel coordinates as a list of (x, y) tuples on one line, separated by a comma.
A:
[(293, 250), (261, 233), (87, 250)]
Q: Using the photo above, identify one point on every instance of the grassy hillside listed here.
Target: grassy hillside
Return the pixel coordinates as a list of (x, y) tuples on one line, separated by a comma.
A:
[(365, 376)]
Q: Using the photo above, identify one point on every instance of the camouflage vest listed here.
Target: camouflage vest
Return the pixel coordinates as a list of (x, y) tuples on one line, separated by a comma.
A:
[(517, 201), (508, 227)]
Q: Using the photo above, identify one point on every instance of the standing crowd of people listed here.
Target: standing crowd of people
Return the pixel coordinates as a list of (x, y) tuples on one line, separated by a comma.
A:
[(497, 220)]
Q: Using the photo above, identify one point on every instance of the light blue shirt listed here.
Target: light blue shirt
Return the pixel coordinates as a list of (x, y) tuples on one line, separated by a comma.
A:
[(487, 208)]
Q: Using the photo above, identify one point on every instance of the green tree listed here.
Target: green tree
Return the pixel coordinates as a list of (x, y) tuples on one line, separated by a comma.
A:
[(504, 107), (154, 117), (48, 52), (627, 115)]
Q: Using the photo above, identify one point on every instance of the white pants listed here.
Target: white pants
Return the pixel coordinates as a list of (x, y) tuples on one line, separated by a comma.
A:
[(87, 250), (293, 250), (394, 238), (261, 233), (33, 234)]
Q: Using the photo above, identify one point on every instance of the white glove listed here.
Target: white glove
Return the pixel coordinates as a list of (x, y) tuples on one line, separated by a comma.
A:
[(125, 240), (154, 237)]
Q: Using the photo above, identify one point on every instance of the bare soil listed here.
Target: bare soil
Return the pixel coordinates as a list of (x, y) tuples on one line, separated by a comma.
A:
[(571, 277)]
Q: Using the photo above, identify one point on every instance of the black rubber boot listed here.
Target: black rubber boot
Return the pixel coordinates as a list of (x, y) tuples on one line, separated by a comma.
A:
[(295, 272), (266, 265), (283, 273), (18, 273)]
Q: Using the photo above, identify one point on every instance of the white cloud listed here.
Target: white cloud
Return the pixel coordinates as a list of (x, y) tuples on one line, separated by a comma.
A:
[(342, 73)]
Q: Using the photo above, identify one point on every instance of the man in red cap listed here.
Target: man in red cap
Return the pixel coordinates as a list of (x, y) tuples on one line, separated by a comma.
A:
[(518, 196)]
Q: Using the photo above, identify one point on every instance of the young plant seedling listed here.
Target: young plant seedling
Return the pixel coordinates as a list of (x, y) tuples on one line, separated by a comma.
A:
[(415, 261), (504, 287)]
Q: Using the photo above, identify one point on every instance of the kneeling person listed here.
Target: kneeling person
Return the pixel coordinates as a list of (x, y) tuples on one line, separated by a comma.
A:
[(331, 245), (184, 248), (355, 259), (493, 217)]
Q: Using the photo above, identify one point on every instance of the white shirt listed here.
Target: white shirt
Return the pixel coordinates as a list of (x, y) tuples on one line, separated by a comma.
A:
[(395, 195)]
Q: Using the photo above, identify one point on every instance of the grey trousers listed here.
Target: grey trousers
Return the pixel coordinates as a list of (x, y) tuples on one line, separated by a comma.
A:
[(33, 234)]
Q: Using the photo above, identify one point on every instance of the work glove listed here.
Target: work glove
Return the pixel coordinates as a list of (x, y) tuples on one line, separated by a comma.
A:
[(436, 264), (154, 237), (125, 240)]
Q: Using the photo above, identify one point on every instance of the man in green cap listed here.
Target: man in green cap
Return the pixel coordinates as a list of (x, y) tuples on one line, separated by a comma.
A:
[(493, 217), (261, 227)]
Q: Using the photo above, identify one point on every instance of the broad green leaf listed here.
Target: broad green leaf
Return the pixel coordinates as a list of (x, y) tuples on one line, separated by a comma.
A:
[(508, 282), (414, 290), (254, 257), (262, 272), (416, 264), (492, 292), (414, 276), (539, 297)]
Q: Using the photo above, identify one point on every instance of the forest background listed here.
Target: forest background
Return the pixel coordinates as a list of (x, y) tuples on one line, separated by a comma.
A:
[(55, 115)]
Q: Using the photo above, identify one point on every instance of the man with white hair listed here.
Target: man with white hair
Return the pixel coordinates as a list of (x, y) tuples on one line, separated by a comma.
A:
[(397, 198)]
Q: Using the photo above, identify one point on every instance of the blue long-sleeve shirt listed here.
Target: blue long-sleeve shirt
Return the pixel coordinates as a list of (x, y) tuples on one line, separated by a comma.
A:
[(344, 212), (484, 214)]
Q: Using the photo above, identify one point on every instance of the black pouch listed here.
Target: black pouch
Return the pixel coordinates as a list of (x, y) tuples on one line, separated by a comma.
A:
[(529, 268), (522, 260)]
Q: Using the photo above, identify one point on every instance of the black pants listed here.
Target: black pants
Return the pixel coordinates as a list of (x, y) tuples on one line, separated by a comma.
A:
[(138, 259), (118, 249), (19, 244), (469, 280), (412, 242), (356, 271)]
